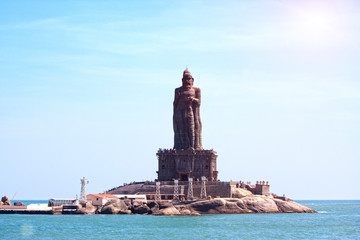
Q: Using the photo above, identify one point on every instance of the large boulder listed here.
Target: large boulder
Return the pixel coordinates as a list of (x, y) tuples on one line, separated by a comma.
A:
[(153, 205), (6, 200), (164, 204), (140, 209), (169, 211), (18, 204), (248, 204), (208, 206), (240, 192), (163, 208), (290, 206), (87, 210), (188, 212), (109, 209), (219, 205), (185, 210), (260, 204), (115, 206)]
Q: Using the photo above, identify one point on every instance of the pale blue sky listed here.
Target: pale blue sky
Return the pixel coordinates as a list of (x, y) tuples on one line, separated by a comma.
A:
[(86, 89)]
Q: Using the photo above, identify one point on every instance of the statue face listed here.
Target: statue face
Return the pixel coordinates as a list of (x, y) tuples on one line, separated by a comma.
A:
[(187, 80)]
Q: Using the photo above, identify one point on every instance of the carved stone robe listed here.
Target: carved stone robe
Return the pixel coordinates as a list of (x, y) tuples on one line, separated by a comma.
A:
[(186, 118)]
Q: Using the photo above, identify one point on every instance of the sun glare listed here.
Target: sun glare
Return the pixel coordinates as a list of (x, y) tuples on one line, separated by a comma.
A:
[(317, 22), (315, 25)]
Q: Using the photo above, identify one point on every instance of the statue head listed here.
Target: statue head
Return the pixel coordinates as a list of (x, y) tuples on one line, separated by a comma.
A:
[(187, 79)]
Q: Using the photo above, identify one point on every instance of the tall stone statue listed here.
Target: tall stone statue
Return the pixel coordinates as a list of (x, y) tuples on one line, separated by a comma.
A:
[(186, 118), (189, 160)]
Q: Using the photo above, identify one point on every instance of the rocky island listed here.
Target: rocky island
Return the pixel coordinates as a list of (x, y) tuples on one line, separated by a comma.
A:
[(245, 203), (187, 182)]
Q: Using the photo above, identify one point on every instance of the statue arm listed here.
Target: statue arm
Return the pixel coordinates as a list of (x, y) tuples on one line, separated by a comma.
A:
[(176, 98), (197, 98)]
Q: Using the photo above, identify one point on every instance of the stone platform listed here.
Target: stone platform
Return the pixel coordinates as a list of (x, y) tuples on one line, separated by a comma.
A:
[(184, 164), (213, 189)]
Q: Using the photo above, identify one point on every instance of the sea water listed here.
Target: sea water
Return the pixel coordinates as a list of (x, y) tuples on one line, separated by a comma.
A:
[(334, 220)]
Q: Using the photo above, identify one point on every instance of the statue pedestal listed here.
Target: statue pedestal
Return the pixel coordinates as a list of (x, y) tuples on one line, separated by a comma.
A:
[(183, 164)]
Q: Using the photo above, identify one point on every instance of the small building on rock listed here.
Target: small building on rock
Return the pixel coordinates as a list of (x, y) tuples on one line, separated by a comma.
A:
[(100, 199)]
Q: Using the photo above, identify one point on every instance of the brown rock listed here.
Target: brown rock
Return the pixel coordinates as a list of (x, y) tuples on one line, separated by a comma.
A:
[(219, 205), (260, 204), (124, 212), (188, 212), (89, 209), (115, 206), (240, 193), (18, 204), (127, 202), (164, 208), (153, 205), (292, 207), (249, 204), (163, 205), (241, 204), (142, 209), (169, 211), (185, 212), (110, 209), (4, 198), (208, 206)]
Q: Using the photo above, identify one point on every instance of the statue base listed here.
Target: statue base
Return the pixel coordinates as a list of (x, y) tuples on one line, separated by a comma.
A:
[(185, 164)]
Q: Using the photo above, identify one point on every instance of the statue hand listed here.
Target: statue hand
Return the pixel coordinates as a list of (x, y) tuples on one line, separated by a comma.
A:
[(192, 100), (196, 101)]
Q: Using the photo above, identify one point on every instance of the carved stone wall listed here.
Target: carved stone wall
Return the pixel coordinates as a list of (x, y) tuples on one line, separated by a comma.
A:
[(182, 164)]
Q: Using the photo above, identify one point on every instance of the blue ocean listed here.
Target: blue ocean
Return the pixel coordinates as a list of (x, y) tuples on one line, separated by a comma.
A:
[(335, 220)]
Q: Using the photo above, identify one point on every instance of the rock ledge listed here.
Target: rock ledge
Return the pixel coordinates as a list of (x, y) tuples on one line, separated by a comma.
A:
[(246, 204)]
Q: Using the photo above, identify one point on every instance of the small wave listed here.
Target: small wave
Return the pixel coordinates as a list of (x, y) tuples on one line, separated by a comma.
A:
[(322, 212)]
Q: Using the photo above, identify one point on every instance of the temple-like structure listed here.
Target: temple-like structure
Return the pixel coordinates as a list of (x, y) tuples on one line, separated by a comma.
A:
[(187, 159)]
